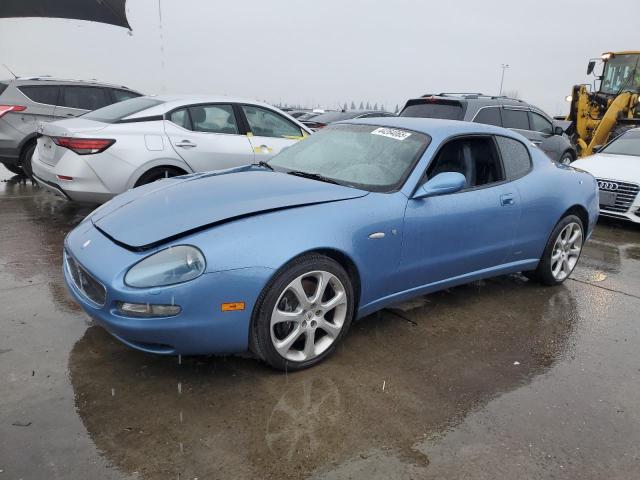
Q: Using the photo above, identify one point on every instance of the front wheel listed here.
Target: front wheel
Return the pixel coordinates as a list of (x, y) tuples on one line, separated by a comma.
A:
[(566, 158), (303, 313), (561, 253)]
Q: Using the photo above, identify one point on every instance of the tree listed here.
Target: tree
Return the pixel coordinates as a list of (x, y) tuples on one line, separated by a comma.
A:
[(361, 107), (511, 94), (397, 109), (382, 108), (344, 107), (368, 106), (353, 105), (375, 107)]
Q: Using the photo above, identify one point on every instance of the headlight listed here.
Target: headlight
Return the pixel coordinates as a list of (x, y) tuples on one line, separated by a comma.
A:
[(167, 267)]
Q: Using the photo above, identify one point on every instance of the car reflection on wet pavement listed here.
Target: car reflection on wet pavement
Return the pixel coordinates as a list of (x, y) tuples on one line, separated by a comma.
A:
[(496, 379)]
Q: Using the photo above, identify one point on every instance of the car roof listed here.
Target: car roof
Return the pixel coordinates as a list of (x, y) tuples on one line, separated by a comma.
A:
[(436, 128), (37, 80), (171, 101)]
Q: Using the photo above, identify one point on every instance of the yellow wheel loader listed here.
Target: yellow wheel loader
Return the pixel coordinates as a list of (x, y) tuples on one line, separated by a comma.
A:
[(599, 115)]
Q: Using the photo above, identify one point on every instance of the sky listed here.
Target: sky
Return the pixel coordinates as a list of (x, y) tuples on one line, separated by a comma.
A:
[(331, 52)]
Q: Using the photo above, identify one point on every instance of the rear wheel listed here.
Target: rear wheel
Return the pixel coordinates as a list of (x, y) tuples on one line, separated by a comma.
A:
[(303, 313), (158, 173), (25, 160), (561, 253)]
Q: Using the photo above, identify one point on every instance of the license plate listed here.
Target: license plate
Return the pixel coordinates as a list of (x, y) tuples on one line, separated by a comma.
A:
[(607, 199)]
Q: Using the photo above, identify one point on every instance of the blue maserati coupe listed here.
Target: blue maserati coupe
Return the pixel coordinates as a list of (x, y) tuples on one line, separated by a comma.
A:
[(280, 257)]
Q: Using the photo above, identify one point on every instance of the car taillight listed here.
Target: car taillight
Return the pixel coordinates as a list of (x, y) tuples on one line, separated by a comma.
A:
[(4, 109), (84, 146)]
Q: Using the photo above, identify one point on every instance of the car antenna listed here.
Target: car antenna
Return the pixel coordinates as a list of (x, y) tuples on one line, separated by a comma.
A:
[(10, 71)]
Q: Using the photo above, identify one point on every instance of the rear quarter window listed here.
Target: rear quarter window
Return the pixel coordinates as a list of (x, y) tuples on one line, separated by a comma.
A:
[(3, 87), (489, 116), (446, 111), (46, 94), (515, 157)]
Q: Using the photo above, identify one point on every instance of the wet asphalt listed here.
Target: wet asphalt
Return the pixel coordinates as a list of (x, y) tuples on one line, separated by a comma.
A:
[(499, 379)]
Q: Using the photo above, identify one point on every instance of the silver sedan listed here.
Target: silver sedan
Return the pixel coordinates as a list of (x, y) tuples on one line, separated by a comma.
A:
[(96, 156)]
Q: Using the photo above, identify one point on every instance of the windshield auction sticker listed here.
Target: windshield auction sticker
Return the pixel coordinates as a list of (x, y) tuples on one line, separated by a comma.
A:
[(391, 133)]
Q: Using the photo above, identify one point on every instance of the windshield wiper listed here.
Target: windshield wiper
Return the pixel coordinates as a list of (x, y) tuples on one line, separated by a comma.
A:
[(264, 164), (313, 176)]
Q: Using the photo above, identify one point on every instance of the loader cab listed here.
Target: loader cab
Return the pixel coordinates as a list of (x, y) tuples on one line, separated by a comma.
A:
[(621, 73)]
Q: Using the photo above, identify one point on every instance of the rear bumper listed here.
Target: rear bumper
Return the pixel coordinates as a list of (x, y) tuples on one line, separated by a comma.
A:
[(85, 186)]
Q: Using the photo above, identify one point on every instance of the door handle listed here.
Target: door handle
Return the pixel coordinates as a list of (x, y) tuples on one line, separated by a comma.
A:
[(507, 200), (185, 144)]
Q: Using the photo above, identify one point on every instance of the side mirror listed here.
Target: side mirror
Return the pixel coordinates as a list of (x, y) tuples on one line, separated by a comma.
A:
[(558, 131), (597, 148), (445, 182), (590, 67)]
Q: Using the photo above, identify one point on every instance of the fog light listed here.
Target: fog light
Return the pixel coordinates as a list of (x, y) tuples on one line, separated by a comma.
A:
[(147, 310)]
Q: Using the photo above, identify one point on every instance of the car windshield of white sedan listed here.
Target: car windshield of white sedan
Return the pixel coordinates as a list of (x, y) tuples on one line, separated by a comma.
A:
[(364, 156), (627, 144)]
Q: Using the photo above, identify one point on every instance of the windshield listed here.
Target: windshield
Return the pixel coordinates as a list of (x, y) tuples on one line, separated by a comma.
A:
[(444, 110), (363, 156), (331, 117), (626, 144), (117, 111), (621, 73)]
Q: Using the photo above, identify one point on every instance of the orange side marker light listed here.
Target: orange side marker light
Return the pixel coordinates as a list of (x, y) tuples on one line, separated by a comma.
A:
[(232, 306)]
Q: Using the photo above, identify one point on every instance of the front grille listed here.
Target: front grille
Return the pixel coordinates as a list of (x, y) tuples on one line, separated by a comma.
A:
[(89, 286), (625, 194)]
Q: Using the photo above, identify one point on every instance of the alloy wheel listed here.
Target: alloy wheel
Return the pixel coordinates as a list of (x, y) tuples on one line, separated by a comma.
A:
[(308, 316), (566, 251)]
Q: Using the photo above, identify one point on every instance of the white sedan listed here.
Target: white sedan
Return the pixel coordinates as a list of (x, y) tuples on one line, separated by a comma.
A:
[(103, 153), (617, 168)]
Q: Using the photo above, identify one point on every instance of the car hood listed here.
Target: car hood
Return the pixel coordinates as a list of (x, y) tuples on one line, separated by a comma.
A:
[(156, 213), (624, 168)]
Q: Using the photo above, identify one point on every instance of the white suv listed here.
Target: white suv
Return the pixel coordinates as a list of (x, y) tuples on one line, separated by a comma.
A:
[(108, 151)]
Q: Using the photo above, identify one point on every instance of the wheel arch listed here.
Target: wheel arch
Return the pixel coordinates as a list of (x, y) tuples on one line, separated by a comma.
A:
[(580, 212), (26, 142), (157, 163)]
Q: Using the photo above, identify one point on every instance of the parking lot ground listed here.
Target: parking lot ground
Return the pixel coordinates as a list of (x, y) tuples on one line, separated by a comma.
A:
[(499, 379)]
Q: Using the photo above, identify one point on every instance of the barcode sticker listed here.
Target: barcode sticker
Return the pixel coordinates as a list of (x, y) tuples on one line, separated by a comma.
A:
[(391, 133)]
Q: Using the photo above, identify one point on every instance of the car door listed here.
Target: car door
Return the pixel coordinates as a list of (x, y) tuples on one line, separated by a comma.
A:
[(541, 134), (208, 137), (268, 131), (75, 100), (452, 235), (517, 119)]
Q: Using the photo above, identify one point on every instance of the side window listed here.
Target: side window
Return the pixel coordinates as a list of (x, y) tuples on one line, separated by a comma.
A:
[(181, 118), (84, 98), (265, 123), (489, 116), (213, 119), (47, 94), (474, 157), (515, 119), (541, 124), (515, 157), (120, 95)]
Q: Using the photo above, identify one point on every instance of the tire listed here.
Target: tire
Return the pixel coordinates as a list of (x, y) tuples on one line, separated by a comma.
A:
[(13, 169), (25, 160), (566, 158), (569, 253), (158, 173), (316, 326)]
